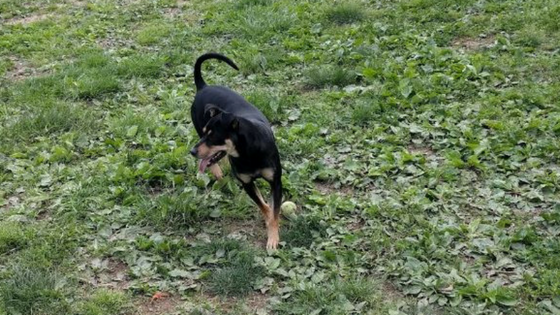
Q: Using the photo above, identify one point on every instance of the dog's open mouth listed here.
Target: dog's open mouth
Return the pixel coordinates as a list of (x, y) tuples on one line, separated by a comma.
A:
[(212, 159)]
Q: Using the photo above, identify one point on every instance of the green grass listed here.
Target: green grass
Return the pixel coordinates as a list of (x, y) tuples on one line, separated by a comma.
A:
[(337, 297), (345, 13), (31, 291), (419, 140), (152, 33), (301, 230), (12, 237), (105, 302), (238, 276), (52, 118), (326, 76)]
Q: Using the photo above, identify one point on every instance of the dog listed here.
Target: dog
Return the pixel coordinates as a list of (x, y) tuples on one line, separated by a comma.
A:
[(227, 124)]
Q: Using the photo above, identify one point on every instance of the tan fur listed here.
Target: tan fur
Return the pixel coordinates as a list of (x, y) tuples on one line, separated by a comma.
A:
[(272, 232), (245, 178), (205, 151), (231, 148), (217, 171), (265, 209), (267, 173)]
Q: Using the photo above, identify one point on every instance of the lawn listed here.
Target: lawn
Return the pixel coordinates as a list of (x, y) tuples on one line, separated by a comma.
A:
[(420, 140)]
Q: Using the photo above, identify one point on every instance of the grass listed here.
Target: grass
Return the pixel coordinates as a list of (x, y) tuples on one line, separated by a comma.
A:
[(53, 118), (238, 276), (300, 231), (12, 237), (419, 140), (337, 297), (31, 291), (105, 302), (345, 13), (326, 76)]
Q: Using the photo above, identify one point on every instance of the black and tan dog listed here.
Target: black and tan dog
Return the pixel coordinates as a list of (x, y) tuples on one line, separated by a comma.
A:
[(229, 125)]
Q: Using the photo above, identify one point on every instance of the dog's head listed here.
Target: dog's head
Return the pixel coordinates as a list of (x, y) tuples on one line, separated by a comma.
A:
[(218, 137)]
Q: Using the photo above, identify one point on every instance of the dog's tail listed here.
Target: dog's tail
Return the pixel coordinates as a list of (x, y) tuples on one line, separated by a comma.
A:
[(198, 80)]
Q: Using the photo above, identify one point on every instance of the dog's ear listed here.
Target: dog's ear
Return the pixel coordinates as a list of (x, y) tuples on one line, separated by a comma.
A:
[(211, 110), (231, 120)]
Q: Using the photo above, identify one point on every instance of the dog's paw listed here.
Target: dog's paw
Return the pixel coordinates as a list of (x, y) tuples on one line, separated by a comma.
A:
[(217, 171), (273, 238), (272, 243)]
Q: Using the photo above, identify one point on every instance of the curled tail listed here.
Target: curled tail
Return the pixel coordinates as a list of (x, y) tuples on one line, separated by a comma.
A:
[(198, 80)]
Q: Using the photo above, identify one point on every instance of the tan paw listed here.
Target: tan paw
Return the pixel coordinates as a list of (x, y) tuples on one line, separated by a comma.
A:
[(217, 171), (272, 242), (272, 231)]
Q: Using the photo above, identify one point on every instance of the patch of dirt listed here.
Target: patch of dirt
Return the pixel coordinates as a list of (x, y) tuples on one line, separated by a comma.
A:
[(470, 43), (390, 292), (26, 20), (43, 215), (356, 225), (256, 301), (330, 188), (175, 11), (77, 3), (165, 305), (253, 303), (10, 202), (172, 13), (252, 231), (426, 151), (156, 190), (420, 150), (114, 276), (112, 43), (21, 70)]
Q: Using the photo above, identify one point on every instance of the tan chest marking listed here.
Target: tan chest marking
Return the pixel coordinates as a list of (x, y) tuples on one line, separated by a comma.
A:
[(231, 150), (267, 173)]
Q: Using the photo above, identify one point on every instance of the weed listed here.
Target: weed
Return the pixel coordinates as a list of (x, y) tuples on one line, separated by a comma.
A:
[(104, 302), (273, 106), (238, 277), (301, 231), (345, 13), (262, 21), (153, 33), (53, 118), (12, 237), (179, 209), (28, 290), (145, 66), (325, 76), (366, 111), (247, 3), (337, 297)]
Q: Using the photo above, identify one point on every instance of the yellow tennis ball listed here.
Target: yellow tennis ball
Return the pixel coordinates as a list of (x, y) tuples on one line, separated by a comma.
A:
[(288, 208)]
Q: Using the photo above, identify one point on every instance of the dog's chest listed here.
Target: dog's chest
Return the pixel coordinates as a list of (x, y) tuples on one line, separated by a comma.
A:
[(266, 173)]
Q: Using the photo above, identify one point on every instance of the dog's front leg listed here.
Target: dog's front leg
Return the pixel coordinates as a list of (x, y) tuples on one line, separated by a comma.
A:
[(272, 224), (217, 171), (256, 196)]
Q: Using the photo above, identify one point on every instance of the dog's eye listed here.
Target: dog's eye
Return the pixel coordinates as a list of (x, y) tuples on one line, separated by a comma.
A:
[(211, 138)]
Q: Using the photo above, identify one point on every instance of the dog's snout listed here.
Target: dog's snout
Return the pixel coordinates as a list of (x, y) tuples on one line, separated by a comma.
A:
[(194, 151)]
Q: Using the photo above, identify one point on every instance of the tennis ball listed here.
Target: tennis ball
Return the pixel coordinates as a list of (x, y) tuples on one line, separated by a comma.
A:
[(288, 208)]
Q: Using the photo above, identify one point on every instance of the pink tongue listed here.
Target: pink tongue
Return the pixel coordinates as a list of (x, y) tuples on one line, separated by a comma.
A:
[(203, 164)]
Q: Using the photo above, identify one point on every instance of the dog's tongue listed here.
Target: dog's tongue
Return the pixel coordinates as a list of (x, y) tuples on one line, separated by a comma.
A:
[(203, 164)]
